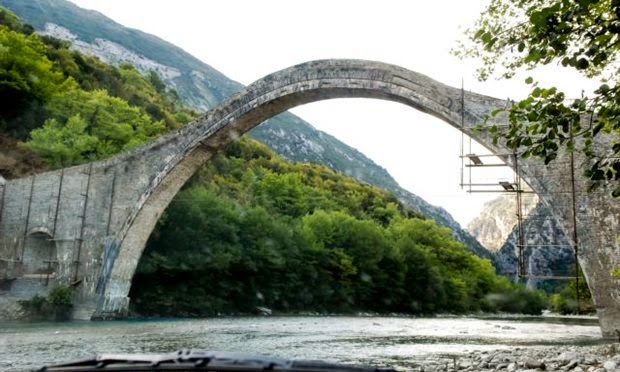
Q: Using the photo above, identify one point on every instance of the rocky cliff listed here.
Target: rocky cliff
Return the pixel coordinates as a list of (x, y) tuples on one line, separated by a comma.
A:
[(497, 220), (548, 250)]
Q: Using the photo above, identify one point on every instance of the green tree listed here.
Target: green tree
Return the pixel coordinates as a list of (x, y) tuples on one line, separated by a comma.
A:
[(583, 35), (12, 22), (27, 78), (572, 301), (90, 126), (63, 145)]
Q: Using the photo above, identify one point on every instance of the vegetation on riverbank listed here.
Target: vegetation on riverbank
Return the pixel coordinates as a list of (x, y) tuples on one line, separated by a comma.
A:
[(573, 299), (57, 305)]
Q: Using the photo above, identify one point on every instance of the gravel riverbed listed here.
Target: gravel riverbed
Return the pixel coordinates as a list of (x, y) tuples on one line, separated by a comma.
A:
[(593, 358), (406, 343)]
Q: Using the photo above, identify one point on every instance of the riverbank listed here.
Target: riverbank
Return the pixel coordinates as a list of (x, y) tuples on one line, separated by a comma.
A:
[(593, 358), (409, 344)]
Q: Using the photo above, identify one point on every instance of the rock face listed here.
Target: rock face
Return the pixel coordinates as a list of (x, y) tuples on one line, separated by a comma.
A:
[(498, 219), (548, 250), (202, 87)]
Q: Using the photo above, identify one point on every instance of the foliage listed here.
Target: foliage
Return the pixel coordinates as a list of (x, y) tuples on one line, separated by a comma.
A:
[(565, 301), (60, 296), (251, 229), (113, 126), (56, 306), (27, 80), (63, 145), (76, 108), (147, 92), (583, 35), (12, 22), (33, 306)]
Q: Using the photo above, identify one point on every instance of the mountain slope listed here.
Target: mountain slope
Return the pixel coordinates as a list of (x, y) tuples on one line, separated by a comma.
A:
[(497, 220), (548, 250), (202, 87)]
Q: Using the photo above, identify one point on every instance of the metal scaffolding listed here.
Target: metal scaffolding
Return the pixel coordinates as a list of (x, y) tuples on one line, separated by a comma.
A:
[(471, 161)]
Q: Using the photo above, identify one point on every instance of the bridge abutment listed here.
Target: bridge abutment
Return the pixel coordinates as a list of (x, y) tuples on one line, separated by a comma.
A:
[(112, 307)]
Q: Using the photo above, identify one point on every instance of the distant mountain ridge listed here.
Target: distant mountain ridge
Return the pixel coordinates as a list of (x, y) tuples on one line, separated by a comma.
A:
[(202, 87)]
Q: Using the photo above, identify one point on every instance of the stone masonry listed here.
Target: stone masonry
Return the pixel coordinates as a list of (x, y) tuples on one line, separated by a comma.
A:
[(92, 221)]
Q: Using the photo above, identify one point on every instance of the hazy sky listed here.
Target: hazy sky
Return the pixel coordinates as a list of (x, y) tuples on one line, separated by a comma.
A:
[(249, 39)]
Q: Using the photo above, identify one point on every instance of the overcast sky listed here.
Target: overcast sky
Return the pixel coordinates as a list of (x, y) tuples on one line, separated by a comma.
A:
[(249, 39)]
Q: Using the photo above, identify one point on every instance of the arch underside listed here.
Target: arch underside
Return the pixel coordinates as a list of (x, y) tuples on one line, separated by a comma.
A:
[(276, 93)]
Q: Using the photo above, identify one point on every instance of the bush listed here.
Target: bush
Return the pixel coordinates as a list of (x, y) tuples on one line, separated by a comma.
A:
[(519, 300), (61, 296), (56, 306), (33, 306), (565, 302)]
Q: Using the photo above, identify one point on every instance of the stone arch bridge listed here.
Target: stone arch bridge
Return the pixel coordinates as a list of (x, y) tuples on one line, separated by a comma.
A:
[(88, 224)]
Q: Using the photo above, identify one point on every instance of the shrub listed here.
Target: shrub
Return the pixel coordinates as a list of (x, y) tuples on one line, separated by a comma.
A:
[(61, 296), (33, 306), (56, 306), (518, 300)]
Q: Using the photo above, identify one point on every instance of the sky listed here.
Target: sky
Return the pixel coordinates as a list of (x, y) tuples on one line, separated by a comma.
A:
[(247, 40)]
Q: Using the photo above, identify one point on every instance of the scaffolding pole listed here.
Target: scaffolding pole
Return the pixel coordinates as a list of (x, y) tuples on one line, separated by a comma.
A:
[(80, 240), (575, 237), (30, 195)]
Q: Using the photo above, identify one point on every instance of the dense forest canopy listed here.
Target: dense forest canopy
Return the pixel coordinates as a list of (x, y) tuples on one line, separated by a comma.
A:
[(252, 229), (70, 108)]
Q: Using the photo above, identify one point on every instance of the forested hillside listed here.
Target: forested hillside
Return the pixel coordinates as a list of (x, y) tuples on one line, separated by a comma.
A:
[(252, 229), (68, 108)]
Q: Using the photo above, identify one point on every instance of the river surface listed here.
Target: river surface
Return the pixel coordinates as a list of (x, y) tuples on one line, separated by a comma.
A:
[(395, 341)]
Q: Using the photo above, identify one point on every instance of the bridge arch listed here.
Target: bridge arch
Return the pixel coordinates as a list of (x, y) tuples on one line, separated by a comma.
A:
[(309, 82)]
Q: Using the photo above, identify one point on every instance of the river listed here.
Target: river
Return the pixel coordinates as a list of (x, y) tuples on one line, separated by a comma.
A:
[(397, 341)]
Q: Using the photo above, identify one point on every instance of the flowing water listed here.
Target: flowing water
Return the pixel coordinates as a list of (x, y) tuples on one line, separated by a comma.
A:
[(396, 341)]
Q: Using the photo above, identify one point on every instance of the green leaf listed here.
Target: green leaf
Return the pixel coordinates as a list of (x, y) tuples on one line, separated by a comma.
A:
[(529, 80), (582, 64), (597, 128), (603, 89), (496, 112), (549, 158)]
